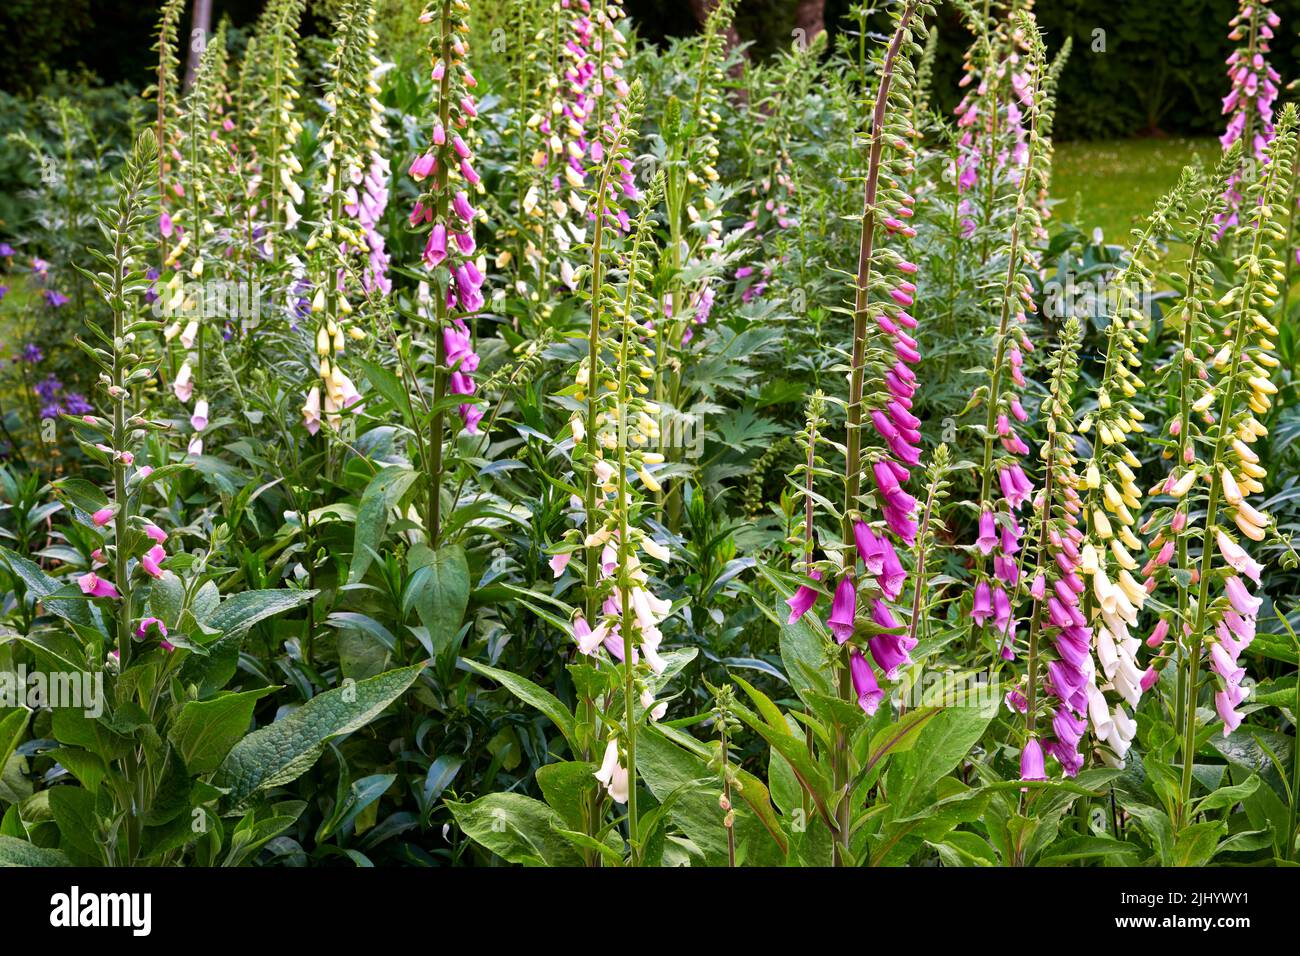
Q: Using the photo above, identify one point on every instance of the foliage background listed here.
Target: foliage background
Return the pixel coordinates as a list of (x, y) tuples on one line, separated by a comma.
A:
[(1162, 69)]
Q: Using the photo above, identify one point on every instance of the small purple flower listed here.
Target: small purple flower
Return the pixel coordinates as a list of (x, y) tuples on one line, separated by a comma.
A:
[(1031, 761), (76, 404), (49, 387), (55, 298)]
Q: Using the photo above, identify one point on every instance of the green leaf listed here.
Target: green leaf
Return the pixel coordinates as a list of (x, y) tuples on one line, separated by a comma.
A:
[(795, 751), (237, 613), (382, 494), (533, 695), (1195, 845), (803, 652), (902, 836), (283, 751), (667, 767), (565, 785), (13, 721), (748, 787), (89, 769), (941, 745), (1158, 827), (41, 585), (516, 828), (387, 384), (16, 852), (361, 795), (205, 730), (74, 812), (259, 827), (211, 673), (72, 726), (439, 591), (1228, 796), (82, 494), (770, 712), (441, 773), (896, 738)]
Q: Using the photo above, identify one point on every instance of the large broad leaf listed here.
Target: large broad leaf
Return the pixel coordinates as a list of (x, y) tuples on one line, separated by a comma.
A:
[(212, 672), (516, 828), (533, 695), (237, 613), (1157, 825), (74, 812), (901, 837), (42, 585), (285, 750), (566, 785), (381, 496), (205, 730), (16, 852), (942, 744), (670, 770), (439, 592), (751, 790)]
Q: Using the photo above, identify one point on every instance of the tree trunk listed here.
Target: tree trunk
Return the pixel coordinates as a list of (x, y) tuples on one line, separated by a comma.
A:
[(200, 30), (809, 16)]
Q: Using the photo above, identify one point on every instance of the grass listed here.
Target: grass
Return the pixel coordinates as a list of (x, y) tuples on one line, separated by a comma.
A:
[(1115, 183)]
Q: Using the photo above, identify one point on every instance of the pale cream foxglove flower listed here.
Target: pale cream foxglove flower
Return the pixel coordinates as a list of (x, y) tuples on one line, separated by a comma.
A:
[(1099, 713), (655, 549), (653, 711), (311, 411), (183, 385), (612, 775), (589, 640)]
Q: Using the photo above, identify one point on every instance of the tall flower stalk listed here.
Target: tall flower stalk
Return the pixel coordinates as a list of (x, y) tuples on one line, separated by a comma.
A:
[(999, 527), (1062, 670), (1249, 103), (1114, 501), (694, 218), (165, 99), (614, 428), (129, 546), (274, 127), (882, 271), (1224, 625), (450, 253), (1187, 380), (198, 188)]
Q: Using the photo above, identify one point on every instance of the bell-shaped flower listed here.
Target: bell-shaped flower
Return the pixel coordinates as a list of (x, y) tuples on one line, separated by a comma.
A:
[(864, 683), (612, 775), (844, 608), (803, 599), (1031, 761)]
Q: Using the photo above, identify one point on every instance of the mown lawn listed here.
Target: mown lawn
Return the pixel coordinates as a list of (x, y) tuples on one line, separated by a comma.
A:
[(1114, 184)]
